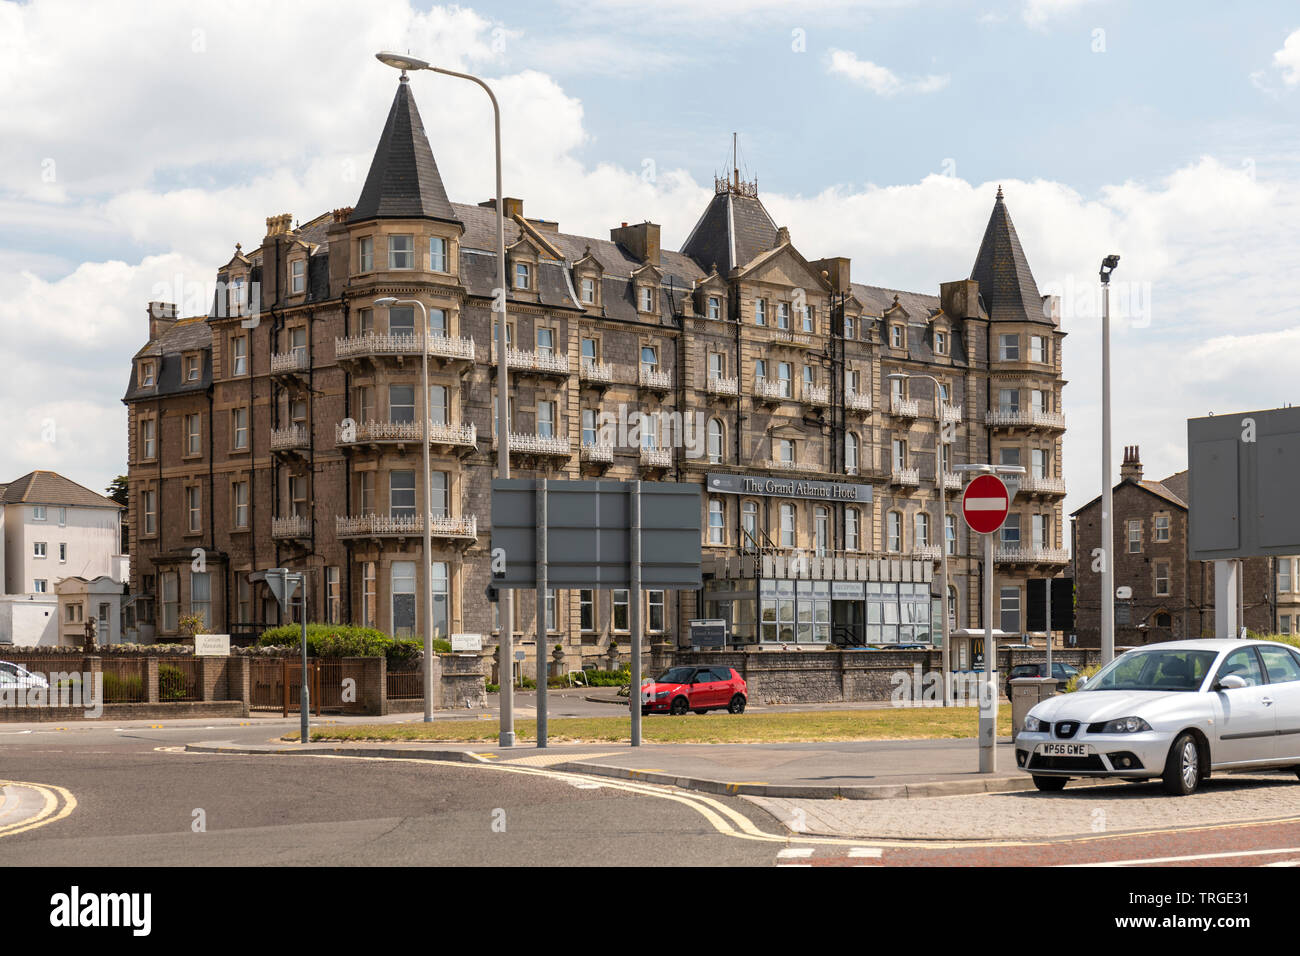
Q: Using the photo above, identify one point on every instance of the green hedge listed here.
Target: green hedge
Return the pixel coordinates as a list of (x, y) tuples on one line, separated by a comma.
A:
[(343, 640)]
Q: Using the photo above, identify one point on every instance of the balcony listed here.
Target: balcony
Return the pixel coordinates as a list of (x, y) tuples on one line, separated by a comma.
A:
[(291, 527), (371, 345), (404, 433), (596, 453), (771, 391), (951, 413), (294, 438), (904, 407), (1017, 555), (545, 364), (905, 477), (953, 481), (656, 457), (1012, 418), (294, 362), (446, 527), (856, 402), (726, 387), (655, 380), (522, 443), (926, 552), (1031, 485), (817, 394), (594, 373)]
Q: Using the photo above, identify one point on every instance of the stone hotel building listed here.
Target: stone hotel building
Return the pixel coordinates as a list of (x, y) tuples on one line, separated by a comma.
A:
[(285, 427)]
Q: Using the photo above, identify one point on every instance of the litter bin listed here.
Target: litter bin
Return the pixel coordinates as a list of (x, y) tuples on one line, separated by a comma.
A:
[(1026, 692)]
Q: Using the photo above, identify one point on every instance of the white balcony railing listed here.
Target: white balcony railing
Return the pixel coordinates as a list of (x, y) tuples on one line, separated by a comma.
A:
[(548, 363), (926, 552), (904, 407), (857, 402), (597, 452), (905, 476), (953, 481), (717, 385), (288, 439), (291, 526), (1031, 555), (1042, 486), (404, 433), (656, 457), (771, 390), (817, 394), (593, 371), (951, 413), (1028, 418), (292, 361), (652, 378), (527, 443), (378, 526), (376, 343)]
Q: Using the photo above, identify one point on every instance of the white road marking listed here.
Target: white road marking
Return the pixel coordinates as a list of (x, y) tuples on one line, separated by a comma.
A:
[(795, 852), (1183, 859), (865, 852)]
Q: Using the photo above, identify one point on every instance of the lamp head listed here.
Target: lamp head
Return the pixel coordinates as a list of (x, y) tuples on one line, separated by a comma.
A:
[(401, 61), (1108, 265), (386, 302), (898, 376)]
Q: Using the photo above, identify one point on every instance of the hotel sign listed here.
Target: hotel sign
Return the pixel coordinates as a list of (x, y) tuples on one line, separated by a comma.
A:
[(787, 488)]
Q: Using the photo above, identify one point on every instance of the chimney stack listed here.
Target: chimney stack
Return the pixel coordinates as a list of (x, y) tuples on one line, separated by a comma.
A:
[(162, 316), (642, 240), (1131, 470)]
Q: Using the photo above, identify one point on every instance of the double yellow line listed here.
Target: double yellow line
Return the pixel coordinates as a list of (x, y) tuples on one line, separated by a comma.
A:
[(56, 803)]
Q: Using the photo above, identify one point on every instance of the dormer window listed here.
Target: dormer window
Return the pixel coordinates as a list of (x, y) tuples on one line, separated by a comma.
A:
[(589, 290), (940, 343), (366, 254), (238, 291), (401, 251), (715, 307), (191, 368), (523, 275), (147, 374), (437, 254), (298, 276), (896, 336), (645, 299)]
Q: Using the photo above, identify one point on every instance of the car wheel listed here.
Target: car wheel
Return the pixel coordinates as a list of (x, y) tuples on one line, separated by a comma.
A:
[(737, 705), (1050, 784), (703, 710), (1183, 767), (679, 706)]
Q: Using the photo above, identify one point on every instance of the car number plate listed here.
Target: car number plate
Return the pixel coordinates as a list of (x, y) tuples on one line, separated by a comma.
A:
[(1064, 750)]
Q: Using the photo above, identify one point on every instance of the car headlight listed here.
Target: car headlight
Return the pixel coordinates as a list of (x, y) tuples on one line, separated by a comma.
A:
[(1034, 725), (659, 695), (1125, 725)]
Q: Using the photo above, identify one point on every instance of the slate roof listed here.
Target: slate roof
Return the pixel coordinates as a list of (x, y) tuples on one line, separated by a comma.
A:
[(1173, 490), (187, 335), (51, 488), (403, 182), (1007, 286), (732, 232)]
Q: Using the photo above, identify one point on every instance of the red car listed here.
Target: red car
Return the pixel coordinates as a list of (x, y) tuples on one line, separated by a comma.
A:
[(700, 689)]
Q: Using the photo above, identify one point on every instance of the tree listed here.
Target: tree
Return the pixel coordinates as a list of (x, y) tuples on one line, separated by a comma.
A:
[(117, 490)]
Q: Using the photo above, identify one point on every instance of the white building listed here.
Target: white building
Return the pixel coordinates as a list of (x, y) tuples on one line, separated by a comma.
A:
[(53, 529)]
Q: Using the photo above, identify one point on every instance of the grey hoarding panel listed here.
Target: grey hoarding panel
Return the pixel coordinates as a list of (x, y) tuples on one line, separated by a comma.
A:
[(1214, 488), (1277, 474), (589, 537)]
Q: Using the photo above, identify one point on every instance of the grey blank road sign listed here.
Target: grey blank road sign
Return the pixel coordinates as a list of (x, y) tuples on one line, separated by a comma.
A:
[(1243, 472), (589, 534)]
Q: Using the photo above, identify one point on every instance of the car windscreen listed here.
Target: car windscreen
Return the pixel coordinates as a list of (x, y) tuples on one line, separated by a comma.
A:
[(1154, 670), (676, 675)]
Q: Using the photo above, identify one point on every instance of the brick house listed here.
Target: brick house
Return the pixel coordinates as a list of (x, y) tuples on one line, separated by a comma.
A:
[(1173, 597), (284, 429)]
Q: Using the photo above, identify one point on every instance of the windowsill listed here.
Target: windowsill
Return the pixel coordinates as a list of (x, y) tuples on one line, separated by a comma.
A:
[(238, 451)]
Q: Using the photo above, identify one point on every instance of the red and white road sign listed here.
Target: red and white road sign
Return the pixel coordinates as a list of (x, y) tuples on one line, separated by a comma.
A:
[(985, 503)]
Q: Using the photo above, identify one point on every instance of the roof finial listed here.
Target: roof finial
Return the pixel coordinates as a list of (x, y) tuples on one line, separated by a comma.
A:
[(999, 190)]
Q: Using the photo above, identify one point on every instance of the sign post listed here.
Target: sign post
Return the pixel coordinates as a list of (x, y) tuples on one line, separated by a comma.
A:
[(283, 584), (984, 505)]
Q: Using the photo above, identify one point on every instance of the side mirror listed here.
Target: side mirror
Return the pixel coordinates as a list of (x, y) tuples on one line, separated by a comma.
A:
[(1230, 682), (1078, 684)]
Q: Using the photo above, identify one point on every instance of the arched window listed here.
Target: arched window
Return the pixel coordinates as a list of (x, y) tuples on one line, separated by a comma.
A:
[(716, 523), (715, 440), (950, 533), (821, 529), (852, 529), (894, 531), (921, 529), (851, 453)]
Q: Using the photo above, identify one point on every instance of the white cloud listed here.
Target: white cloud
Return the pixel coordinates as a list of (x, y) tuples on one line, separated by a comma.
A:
[(1037, 13), (1287, 59), (879, 79)]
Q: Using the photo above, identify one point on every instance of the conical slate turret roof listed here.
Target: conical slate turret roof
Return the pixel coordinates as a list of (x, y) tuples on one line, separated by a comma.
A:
[(734, 229), (1007, 286), (403, 182)]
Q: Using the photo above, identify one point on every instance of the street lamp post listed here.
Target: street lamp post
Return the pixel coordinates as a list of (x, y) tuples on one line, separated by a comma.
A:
[(389, 302), (942, 498), (1108, 265), (506, 736)]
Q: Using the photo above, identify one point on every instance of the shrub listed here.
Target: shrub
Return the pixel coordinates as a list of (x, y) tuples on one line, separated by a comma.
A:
[(345, 640), (1073, 684), (123, 688), (609, 678), (171, 682)]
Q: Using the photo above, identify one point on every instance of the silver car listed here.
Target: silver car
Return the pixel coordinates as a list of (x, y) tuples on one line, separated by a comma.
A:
[(1177, 711), (15, 675)]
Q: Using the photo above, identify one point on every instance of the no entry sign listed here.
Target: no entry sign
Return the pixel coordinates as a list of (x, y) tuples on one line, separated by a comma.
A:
[(985, 503)]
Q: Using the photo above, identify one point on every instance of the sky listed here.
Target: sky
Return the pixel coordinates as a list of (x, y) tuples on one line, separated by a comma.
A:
[(139, 141)]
